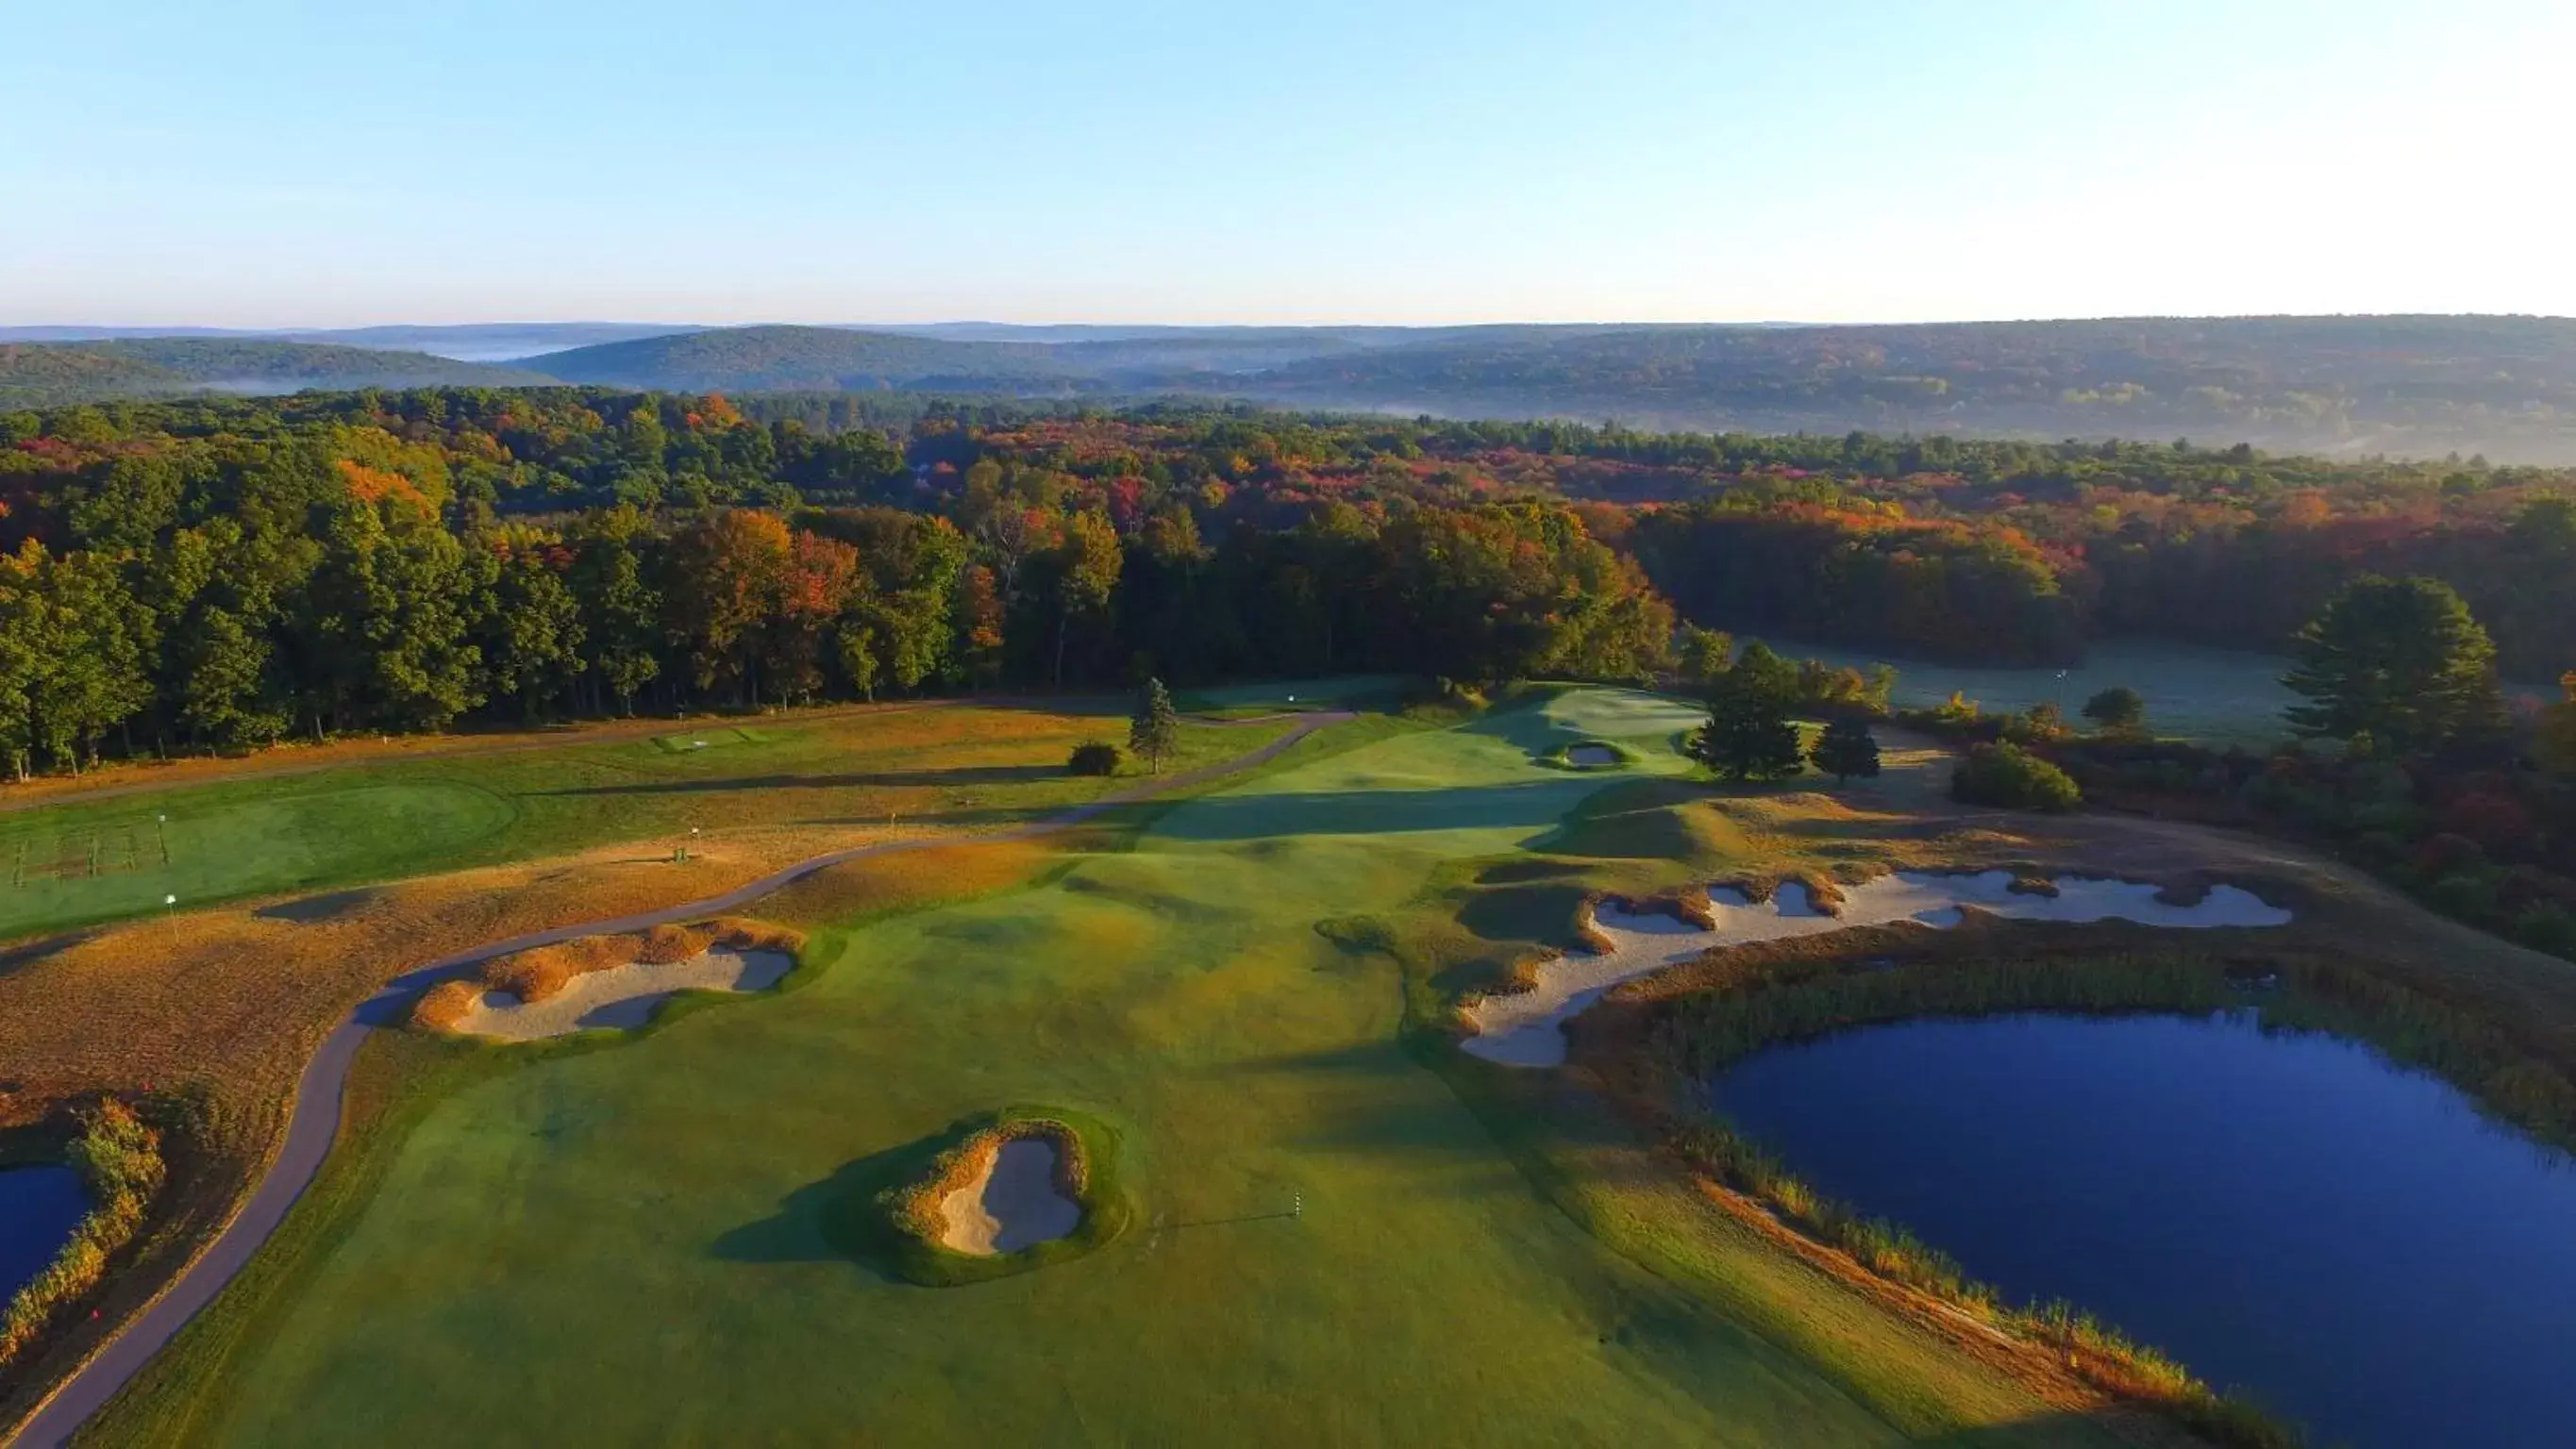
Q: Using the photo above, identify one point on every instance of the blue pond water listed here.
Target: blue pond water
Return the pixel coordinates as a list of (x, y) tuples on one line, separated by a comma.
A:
[(2287, 1214), (39, 1207)]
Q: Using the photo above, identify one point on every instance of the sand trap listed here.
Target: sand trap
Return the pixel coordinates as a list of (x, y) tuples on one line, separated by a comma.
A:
[(1590, 755), (1527, 1029), (621, 996), (1014, 1205)]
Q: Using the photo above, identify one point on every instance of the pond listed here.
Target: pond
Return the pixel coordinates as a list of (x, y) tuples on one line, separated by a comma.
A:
[(39, 1207), (2288, 1214)]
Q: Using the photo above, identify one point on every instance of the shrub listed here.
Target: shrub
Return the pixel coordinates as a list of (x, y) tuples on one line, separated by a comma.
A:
[(1093, 757), (2008, 776)]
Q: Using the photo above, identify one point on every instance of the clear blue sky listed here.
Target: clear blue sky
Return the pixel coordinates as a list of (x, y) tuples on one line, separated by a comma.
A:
[(263, 163)]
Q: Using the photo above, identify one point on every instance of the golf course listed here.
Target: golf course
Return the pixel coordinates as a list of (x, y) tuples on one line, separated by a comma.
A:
[(1292, 1181)]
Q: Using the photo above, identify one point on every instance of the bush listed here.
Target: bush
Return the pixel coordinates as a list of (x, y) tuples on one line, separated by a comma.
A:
[(2008, 776), (1093, 757)]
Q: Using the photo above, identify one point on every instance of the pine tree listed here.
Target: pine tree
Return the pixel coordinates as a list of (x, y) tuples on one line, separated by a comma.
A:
[(1847, 748), (2401, 661), (1155, 728), (1748, 735)]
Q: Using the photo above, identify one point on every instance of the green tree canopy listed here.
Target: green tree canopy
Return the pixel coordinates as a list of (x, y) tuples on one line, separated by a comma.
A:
[(1847, 748), (2400, 662), (1748, 735), (2118, 710)]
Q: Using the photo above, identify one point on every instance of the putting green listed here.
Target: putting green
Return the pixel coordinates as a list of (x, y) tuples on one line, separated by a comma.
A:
[(626, 1245)]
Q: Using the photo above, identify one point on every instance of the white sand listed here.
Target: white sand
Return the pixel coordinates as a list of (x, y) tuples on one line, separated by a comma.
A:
[(1013, 1205), (1527, 1029), (1591, 755), (621, 996)]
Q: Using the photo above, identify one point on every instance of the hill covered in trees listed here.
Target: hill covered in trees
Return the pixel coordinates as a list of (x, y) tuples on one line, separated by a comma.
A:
[(2418, 385), (2504, 387), (41, 374), (773, 359)]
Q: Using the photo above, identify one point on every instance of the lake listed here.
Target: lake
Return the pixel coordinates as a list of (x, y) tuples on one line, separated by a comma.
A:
[(2285, 1213), (39, 1207)]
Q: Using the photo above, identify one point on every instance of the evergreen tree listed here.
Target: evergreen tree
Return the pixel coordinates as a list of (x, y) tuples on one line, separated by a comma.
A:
[(2400, 662), (1847, 748), (2118, 710), (1155, 728), (1748, 735)]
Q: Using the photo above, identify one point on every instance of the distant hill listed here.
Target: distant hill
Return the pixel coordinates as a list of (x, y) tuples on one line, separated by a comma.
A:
[(2506, 385), (2502, 386), (467, 342), (46, 374), (782, 359)]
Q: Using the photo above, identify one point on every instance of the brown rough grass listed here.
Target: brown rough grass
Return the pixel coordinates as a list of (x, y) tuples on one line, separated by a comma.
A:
[(442, 1006)]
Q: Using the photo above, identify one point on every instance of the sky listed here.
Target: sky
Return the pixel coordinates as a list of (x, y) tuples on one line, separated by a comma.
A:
[(261, 163)]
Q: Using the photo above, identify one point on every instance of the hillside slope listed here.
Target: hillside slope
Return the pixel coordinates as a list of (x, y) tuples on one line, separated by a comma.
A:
[(781, 358), (48, 374), (2403, 384)]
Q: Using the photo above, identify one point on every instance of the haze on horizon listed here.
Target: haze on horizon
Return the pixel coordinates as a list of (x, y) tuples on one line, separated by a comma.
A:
[(282, 164)]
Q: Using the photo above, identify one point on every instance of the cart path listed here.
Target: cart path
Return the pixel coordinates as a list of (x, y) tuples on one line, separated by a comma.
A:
[(313, 1120)]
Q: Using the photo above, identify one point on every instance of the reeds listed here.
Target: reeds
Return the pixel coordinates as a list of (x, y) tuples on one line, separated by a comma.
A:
[(119, 1159)]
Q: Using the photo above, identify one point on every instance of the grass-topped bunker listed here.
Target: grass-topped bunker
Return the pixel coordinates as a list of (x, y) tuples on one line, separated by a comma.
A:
[(993, 1195)]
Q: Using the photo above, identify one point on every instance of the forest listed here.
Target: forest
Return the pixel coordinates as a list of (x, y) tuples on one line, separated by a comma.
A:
[(218, 572), (2414, 386)]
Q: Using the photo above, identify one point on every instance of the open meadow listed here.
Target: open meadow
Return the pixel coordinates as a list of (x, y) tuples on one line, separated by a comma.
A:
[(586, 1243)]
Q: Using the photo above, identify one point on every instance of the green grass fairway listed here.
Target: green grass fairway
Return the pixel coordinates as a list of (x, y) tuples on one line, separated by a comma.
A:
[(82, 862), (2217, 696), (1341, 691), (624, 1244)]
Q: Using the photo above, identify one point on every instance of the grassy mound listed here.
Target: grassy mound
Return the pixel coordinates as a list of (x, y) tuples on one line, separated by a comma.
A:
[(1589, 754), (886, 1212)]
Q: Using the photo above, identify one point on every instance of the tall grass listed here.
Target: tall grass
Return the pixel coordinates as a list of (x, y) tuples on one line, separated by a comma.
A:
[(119, 1160)]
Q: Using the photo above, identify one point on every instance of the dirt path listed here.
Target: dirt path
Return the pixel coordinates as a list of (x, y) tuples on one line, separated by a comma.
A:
[(314, 1117)]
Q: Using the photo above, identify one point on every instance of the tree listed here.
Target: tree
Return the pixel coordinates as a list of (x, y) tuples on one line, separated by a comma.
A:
[(2118, 710), (1703, 654), (2009, 776), (2555, 744), (1155, 728), (859, 659), (533, 640), (1748, 735), (621, 611), (2400, 661), (1847, 748)]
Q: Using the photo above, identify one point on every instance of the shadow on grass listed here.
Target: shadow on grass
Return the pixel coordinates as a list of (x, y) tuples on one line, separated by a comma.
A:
[(849, 1215), (836, 1219), (1530, 805), (20, 957), (956, 775), (309, 910)]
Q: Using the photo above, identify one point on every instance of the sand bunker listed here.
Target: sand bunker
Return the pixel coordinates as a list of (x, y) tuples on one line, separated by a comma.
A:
[(1591, 755), (1527, 1029), (620, 996), (1013, 1204)]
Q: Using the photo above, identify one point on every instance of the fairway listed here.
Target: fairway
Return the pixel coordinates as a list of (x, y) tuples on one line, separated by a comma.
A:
[(81, 862), (628, 1244)]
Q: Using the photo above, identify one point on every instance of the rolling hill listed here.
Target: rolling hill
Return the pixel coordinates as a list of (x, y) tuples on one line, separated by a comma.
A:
[(781, 358), (46, 374)]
